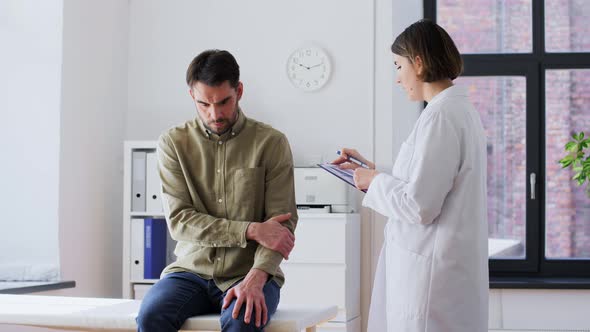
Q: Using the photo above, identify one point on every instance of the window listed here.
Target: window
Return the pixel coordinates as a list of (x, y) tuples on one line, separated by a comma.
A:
[(527, 67)]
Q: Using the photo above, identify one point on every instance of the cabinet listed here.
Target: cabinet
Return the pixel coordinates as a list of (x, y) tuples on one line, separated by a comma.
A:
[(324, 267)]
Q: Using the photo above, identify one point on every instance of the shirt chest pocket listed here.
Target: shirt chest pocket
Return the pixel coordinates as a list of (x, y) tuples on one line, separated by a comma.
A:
[(401, 168), (248, 193)]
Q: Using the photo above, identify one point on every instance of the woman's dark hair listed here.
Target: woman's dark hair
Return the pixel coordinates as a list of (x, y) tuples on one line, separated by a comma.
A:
[(427, 40), (213, 67)]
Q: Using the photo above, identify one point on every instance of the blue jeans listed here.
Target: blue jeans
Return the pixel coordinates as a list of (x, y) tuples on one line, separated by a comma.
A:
[(181, 295)]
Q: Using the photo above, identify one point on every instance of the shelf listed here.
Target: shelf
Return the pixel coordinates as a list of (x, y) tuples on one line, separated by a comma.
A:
[(144, 281), (147, 214), (128, 215)]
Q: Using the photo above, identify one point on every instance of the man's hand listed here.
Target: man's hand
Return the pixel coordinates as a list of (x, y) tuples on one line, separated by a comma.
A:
[(273, 235), (249, 291)]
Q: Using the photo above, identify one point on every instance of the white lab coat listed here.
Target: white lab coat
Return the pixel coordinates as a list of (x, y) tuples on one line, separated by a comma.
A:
[(432, 274)]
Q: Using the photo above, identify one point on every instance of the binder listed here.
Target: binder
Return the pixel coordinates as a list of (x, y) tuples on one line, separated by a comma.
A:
[(153, 201), (138, 181), (136, 258), (154, 252)]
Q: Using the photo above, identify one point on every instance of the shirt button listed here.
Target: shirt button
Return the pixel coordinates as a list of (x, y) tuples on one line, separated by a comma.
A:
[(220, 200), (218, 259), (233, 134), (215, 244), (218, 170), (220, 142)]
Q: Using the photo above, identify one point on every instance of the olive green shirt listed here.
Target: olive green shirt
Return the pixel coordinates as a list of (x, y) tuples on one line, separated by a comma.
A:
[(214, 186)]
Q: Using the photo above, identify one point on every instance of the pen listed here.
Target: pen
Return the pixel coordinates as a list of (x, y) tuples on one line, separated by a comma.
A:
[(354, 160)]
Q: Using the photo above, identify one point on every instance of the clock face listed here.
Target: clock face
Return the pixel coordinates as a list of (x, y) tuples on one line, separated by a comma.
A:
[(309, 68)]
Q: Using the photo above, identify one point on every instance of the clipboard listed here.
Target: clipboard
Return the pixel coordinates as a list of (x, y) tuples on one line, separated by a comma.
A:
[(345, 175)]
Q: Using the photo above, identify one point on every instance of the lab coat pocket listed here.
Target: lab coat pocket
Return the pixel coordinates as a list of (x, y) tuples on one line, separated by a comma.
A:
[(248, 193), (407, 287), (401, 168)]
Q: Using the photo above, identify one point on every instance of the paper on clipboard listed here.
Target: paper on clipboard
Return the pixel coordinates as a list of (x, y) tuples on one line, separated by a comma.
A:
[(345, 175)]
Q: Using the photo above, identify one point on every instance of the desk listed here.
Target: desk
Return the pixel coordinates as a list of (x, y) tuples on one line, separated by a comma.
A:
[(24, 287)]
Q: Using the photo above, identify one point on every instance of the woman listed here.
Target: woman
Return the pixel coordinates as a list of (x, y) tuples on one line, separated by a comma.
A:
[(432, 273)]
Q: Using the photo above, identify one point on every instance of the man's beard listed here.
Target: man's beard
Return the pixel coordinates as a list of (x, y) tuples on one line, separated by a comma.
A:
[(229, 123)]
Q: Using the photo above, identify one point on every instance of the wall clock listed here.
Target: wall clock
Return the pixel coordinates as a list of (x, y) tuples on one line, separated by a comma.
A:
[(309, 68)]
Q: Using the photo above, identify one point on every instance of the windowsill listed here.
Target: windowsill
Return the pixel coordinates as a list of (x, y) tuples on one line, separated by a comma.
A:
[(24, 287), (538, 283)]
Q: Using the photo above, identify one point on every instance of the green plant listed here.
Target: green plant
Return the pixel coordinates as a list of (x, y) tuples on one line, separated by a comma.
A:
[(577, 160)]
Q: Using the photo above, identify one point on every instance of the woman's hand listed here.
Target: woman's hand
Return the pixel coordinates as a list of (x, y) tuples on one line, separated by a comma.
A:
[(363, 177), (345, 164)]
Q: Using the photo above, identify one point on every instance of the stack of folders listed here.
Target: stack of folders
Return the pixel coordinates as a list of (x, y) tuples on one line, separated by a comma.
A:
[(150, 250), (145, 182)]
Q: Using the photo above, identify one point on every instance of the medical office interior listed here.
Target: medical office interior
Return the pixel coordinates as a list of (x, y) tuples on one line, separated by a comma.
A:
[(88, 86)]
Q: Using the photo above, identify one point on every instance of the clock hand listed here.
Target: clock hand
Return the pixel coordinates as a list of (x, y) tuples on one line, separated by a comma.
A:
[(306, 67), (319, 64)]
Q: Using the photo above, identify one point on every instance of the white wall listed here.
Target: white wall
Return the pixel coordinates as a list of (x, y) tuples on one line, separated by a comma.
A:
[(539, 309), (165, 36), (94, 100), (30, 81)]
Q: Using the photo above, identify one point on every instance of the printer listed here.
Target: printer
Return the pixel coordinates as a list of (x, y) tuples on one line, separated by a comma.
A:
[(317, 191)]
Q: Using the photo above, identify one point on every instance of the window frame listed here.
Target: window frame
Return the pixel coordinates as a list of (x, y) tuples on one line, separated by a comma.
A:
[(533, 67)]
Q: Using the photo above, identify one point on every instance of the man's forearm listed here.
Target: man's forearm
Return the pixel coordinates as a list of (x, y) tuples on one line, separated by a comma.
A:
[(255, 278), (206, 230)]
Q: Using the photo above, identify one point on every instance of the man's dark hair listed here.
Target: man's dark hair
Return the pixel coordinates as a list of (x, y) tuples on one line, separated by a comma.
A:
[(439, 54), (213, 67)]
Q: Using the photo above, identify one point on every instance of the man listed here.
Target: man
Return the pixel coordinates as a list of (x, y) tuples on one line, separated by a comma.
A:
[(229, 201)]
